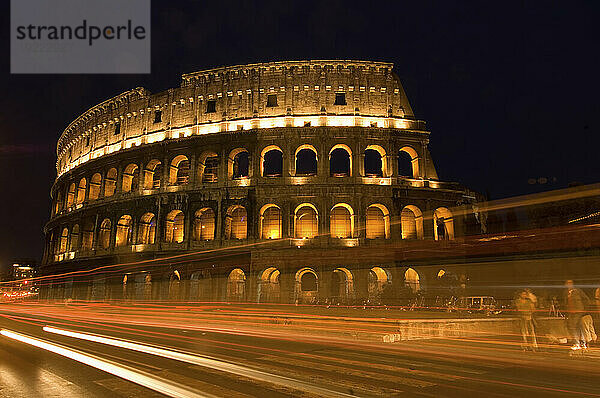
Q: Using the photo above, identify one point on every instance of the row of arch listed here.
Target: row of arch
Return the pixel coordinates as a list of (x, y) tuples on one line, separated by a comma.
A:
[(305, 288), (305, 226), (178, 171)]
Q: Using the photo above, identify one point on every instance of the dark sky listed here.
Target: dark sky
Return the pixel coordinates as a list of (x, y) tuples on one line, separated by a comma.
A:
[(509, 91)]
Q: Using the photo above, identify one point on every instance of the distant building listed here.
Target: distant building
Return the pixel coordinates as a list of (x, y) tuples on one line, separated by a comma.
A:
[(23, 270)]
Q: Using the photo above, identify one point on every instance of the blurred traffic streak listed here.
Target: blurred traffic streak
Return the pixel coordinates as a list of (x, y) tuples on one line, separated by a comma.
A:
[(485, 364), (196, 360), (506, 312), (127, 373)]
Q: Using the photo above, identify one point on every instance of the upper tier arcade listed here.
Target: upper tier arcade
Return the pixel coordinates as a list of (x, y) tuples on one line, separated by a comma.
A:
[(246, 97)]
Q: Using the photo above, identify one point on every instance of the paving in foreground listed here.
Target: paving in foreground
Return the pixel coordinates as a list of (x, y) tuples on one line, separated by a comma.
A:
[(50, 352)]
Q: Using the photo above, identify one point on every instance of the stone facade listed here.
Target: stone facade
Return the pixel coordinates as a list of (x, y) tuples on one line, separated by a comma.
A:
[(277, 161)]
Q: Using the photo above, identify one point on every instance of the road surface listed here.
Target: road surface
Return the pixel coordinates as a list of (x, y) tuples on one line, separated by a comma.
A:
[(51, 353)]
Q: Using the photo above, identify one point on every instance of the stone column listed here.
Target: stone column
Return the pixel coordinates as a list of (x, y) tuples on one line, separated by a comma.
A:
[(193, 171), (166, 172), (141, 177)]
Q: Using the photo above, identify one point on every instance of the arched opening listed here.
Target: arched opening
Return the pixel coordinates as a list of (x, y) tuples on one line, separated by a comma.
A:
[(411, 280), (443, 224), (110, 184), (58, 203), (87, 236), (239, 164), (269, 289), (147, 229), (74, 242), (306, 221), (144, 286), (307, 286), (123, 237), (408, 162), (130, 178), (95, 184), (81, 191), (342, 285), (379, 279), (341, 223), (272, 162), (306, 161), (71, 196), (104, 233), (174, 286), (404, 164), (411, 220), (204, 224), (340, 161), (179, 171), (153, 174), (375, 161), (236, 223), (64, 240), (201, 286), (174, 224), (208, 167), (128, 287), (270, 222), (236, 285), (378, 222)]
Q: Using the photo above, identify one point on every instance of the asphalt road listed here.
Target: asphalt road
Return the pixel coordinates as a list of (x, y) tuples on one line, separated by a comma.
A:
[(158, 360)]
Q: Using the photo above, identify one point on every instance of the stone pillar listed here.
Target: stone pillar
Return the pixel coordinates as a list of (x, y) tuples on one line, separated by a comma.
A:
[(222, 170), (324, 280), (323, 162), (102, 186), (193, 173), (166, 172), (119, 182), (251, 287), (428, 225), (219, 232), (361, 165), (287, 285), (285, 160), (141, 177), (393, 167), (187, 225), (113, 233), (158, 237)]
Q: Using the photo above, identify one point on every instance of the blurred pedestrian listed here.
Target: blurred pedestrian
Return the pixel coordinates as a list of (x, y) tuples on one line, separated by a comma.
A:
[(596, 306), (588, 332), (554, 307), (575, 303), (525, 308)]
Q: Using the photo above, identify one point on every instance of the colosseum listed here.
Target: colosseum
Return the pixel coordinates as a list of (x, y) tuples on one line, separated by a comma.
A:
[(256, 183)]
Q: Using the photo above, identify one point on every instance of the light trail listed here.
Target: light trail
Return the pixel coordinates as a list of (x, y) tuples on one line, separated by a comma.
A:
[(200, 361), (125, 372)]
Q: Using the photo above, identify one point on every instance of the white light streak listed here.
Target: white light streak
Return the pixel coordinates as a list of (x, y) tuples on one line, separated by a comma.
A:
[(200, 361), (142, 378)]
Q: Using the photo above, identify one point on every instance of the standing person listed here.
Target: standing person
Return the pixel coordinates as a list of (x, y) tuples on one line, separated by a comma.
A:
[(575, 303), (525, 308), (596, 306)]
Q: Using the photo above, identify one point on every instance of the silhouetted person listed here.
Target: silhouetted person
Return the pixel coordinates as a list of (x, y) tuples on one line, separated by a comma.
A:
[(575, 304), (525, 307), (596, 306), (441, 229)]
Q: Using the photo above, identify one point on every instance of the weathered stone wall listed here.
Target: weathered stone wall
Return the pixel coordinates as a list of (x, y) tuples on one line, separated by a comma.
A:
[(239, 93)]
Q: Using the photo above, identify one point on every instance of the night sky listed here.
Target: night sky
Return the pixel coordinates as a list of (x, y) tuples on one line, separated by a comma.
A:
[(510, 92)]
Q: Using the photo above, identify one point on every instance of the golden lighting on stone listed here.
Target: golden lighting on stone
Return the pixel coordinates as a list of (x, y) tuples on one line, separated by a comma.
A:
[(248, 124)]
